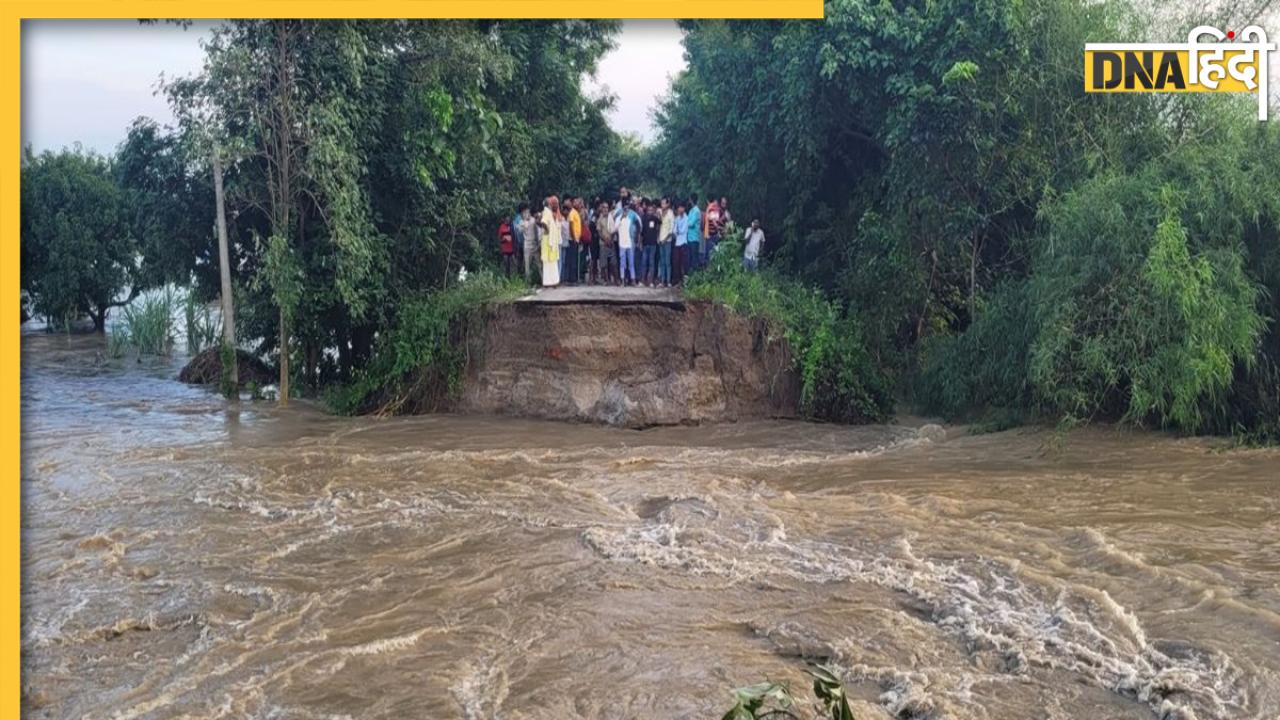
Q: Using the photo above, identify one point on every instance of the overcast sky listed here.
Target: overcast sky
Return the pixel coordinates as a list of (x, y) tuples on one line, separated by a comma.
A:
[(86, 80)]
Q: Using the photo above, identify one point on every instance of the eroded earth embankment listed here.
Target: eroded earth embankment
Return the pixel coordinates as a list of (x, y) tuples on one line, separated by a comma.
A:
[(631, 363)]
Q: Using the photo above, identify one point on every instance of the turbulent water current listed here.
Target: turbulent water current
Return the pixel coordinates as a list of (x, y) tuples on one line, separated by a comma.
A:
[(182, 557)]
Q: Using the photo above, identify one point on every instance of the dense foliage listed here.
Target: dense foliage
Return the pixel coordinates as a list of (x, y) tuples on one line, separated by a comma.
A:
[(78, 253), (1003, 239), (419, 363), (839, 379)]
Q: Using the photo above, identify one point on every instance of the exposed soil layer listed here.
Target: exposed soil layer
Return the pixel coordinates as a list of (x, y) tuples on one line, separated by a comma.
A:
[(633, 365)]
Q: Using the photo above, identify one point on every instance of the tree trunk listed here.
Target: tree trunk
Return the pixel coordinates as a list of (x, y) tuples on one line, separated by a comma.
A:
[(228, 310), (283, 158), (928, 294), (99, 317), (284, 360)]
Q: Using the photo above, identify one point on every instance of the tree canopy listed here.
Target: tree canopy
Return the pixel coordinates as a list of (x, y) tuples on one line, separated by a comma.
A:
[(78, 253), (1004, 239)]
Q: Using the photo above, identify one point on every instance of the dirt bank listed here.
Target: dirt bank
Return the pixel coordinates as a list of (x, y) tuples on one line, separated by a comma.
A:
[(633, 365), (206, 369)]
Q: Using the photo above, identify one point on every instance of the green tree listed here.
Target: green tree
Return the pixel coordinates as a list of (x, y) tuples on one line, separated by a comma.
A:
[(170, 206), (78, 255), (369, 160)]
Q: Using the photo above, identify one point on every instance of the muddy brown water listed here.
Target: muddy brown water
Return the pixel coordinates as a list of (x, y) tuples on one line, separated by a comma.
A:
[(185, 559)]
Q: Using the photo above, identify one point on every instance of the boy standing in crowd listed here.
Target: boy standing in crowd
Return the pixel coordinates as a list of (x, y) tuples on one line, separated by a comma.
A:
[(507, 246), (566, 241), (585, 256), (575, 241), (711, 230)]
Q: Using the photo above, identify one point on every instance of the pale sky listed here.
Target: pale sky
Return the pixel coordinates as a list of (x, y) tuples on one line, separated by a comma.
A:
[(86, 80), (639, 72)]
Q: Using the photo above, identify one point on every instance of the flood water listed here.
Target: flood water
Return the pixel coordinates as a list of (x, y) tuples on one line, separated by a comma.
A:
[(182, 558)]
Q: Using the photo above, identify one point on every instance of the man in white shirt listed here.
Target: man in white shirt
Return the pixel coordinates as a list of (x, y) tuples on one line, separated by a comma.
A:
[(627, 229), (753, 240)]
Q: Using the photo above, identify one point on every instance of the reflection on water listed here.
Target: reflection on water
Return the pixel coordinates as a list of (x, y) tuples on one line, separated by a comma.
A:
[(184, 558)]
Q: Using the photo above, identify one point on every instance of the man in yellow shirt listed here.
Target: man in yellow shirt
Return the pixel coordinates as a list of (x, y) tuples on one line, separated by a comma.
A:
[(573, 264)]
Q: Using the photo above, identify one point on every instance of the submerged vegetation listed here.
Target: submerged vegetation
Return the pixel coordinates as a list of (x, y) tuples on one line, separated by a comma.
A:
[(203, 326), (775, 700)]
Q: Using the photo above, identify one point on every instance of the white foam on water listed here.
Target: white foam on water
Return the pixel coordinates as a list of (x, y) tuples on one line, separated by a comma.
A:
[(481, 690), (987, 603), (385, 645), (46, 630), (641, 456)]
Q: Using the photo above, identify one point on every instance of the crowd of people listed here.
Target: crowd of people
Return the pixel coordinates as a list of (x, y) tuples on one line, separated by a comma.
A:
[(636, 241)]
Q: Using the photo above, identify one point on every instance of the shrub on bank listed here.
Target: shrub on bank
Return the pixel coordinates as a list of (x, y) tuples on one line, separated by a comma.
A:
[(1134, 311), (840, 381), (985, 367), (418, 365)]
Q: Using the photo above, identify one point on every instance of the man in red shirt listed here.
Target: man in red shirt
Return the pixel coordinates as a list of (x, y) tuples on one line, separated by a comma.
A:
[(506, 244)]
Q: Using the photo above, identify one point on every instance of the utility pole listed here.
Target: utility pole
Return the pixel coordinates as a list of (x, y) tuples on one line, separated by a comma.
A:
[(229, 351)]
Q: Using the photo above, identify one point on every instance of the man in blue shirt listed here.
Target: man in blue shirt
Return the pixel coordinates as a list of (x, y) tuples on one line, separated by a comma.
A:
[(681, 259), (694, 237)]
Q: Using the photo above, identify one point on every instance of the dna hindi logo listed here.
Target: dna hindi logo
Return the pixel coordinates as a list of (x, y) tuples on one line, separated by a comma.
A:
[(1231, 62)]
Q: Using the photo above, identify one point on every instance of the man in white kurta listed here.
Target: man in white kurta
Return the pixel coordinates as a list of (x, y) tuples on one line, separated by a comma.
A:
[(550, 243)]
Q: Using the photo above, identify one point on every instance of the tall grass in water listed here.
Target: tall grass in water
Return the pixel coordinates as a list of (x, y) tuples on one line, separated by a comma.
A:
[(146, 324), (203, 325)]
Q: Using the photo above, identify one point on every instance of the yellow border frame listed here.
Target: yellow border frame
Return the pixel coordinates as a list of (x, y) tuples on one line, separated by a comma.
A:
[(11, 16), (593, 9), (10, 409)]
